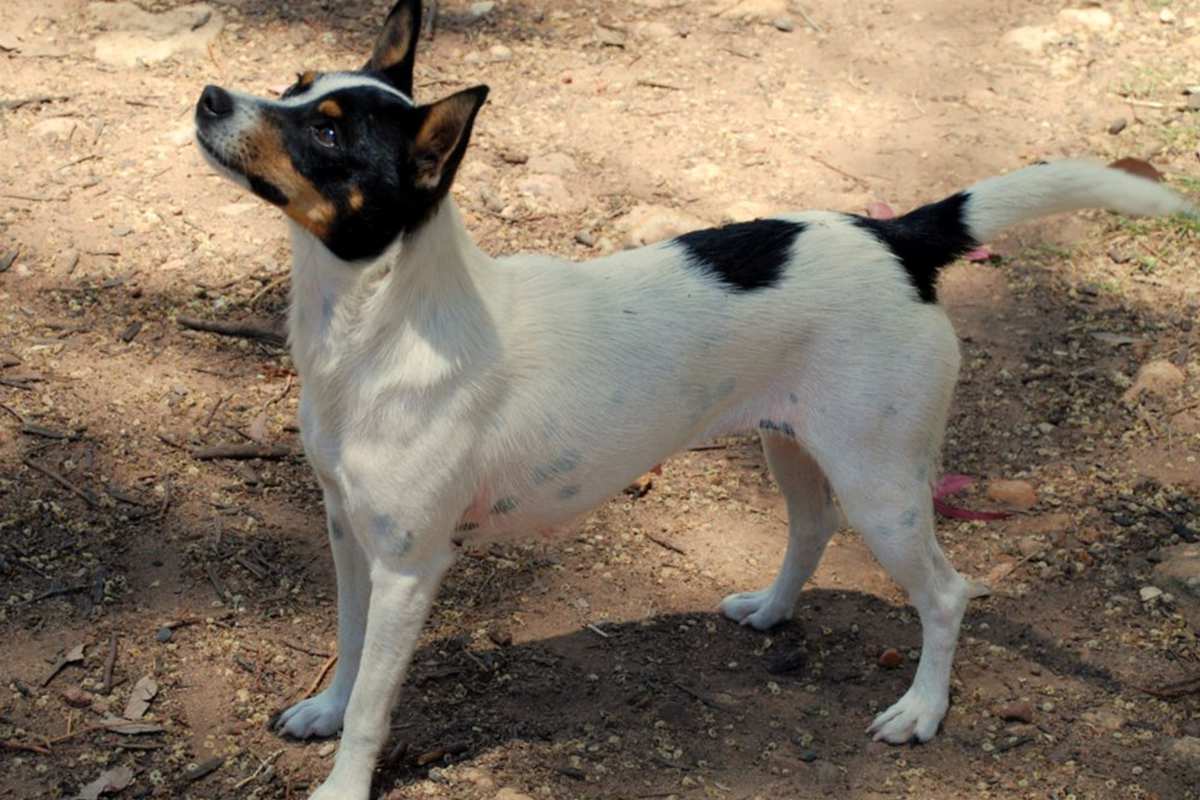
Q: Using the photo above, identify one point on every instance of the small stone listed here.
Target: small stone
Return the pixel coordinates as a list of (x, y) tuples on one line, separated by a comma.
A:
[(512, 155), (890, 658), (1166, 16), (1117, 125), (121, 231), (808, 756), (164, 635), (549, 192), (77, 697), (655, 30), (645, 224), (67, 261), (1193, 102), (1018, 711), (491, 201), (1045, 428), (585, 238), (1017, 494), (1103, 719), (784, 24), (327, 749), (1031, 39), (479, 10), (500, 52), (1149, 593), (1030, 546), (1179, 568), (55, 128), (1159, 378), (1094, 19)]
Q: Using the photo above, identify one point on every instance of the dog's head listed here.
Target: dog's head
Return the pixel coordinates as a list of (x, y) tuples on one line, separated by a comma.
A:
[(347, 155)]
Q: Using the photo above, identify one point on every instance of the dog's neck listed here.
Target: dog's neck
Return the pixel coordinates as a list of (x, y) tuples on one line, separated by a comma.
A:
[(420, 298)]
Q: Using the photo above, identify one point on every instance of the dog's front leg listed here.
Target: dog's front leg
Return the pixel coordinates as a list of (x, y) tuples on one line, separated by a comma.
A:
[(322, 715), (404, 583)]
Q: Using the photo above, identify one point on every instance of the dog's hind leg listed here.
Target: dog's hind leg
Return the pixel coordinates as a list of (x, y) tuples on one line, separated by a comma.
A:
[(403, 585), (322, 715), (812, 520)]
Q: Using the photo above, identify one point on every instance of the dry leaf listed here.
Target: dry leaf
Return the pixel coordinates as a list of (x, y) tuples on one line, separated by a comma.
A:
[(139, 700), (72, 656), (129, 727), (258, 428), (110, 782)]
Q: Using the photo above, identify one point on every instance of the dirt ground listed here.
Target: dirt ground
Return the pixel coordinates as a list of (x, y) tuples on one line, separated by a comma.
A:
[(595, 666)]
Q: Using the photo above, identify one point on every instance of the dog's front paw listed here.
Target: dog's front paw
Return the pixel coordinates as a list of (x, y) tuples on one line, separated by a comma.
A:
[(914, 715), (760, 610), (315, 717)]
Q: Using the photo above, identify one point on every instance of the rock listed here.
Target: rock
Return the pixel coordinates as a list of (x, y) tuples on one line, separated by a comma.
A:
[(1018, 711), (1180, 568), (1159, 378), (1093, 19), (757, 10), (1103, 719), (1185, 751), (645, 224), (705, 172), (655, 30), (499, 52), (784, 24), (549, 193), (890, 658), (131, 36), (1017, 494), (164, 635), (1117, 125), (745, 211), (1029, 546), (491, 201), (585, 238), (553, 164), (479, 10), (1193, 102), (1166, 16), (513, 155), (76, 697), (1149, 593), (58, 128), (327, 749), (67, 261), (508, 793), (1031, 39), (610, 37)]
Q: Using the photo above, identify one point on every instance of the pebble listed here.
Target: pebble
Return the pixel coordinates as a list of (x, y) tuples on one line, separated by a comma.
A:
[(1193, 102), (1150, 593), (586, 238), (77, 697), (808, 756), (1158, 378), (164, 635), (1180, 568), (1117, 125), (67, 261), (1094, 19), (512, 155), (1017, 494), (327, 749), (549, 192), (784, 24), (1018, 711), (890, 658), (479, 10), (1166, 16), (1031, 38), (645, 224), (491, 201), (500, 52)]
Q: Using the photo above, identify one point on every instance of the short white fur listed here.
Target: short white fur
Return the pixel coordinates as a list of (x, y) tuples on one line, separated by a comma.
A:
[(449, 396)]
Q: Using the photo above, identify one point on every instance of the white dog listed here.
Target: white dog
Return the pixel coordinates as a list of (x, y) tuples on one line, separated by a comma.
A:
[(448, 396)]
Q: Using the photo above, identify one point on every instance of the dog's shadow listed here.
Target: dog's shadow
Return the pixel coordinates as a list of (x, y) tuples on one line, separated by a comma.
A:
[(643, 704)]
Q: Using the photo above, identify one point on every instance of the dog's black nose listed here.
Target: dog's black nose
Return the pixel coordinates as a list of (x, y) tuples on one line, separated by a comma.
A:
[(215, 102)]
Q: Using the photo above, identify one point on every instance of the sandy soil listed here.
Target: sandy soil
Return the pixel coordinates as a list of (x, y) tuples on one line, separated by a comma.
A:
[(595, 666)]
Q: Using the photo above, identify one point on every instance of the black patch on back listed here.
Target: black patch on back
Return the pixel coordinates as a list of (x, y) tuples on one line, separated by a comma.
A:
[(745, 255), (925, 240)]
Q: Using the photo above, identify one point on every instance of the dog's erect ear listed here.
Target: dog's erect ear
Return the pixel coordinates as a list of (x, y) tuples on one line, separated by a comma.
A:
[(396, 49), (442, 137)]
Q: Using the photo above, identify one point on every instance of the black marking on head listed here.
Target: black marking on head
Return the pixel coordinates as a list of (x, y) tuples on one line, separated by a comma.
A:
[(925, 240), (745, 255), (779, 427), (395, 50)]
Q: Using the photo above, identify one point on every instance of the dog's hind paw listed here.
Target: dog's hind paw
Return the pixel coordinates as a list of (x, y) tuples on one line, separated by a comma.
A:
[(315, 717), (758, 609), (914, 716)]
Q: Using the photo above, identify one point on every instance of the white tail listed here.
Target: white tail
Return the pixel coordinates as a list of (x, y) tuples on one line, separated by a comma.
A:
[(997, 203)]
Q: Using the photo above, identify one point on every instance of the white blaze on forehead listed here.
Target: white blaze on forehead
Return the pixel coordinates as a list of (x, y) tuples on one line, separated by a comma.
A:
[(336, 81)]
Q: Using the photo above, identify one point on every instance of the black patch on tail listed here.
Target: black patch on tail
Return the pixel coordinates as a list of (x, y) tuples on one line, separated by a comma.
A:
[(925, 240), (745, 255)]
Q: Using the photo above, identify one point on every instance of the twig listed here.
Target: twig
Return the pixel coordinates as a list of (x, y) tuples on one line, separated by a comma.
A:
[(267, 762), (316, 684), (1173, 690), (808, 19), (258, 332), (41, 99), (665, 544), (653, 84), (596, 630), (242, 452), (57, 593), (109, 663), (32, 199), (839, 170), (270, 285), (696, 695), (1143, 103), (15, 415), (208, 420), (61, 481), (29, 748), (218, 587), (305, 650)]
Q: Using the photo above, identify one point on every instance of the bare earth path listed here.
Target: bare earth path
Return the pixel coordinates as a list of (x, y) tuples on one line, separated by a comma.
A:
[(595, 666)]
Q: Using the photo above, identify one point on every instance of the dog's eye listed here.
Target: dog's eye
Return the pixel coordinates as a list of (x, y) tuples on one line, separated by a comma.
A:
[(326, 135)]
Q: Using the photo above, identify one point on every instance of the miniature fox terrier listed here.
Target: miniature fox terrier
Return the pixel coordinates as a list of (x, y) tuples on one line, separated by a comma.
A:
[(450, 397)]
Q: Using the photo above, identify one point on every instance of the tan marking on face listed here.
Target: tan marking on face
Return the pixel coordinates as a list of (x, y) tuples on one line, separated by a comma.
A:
[(356, 199), (268, 159), (330, 108)]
